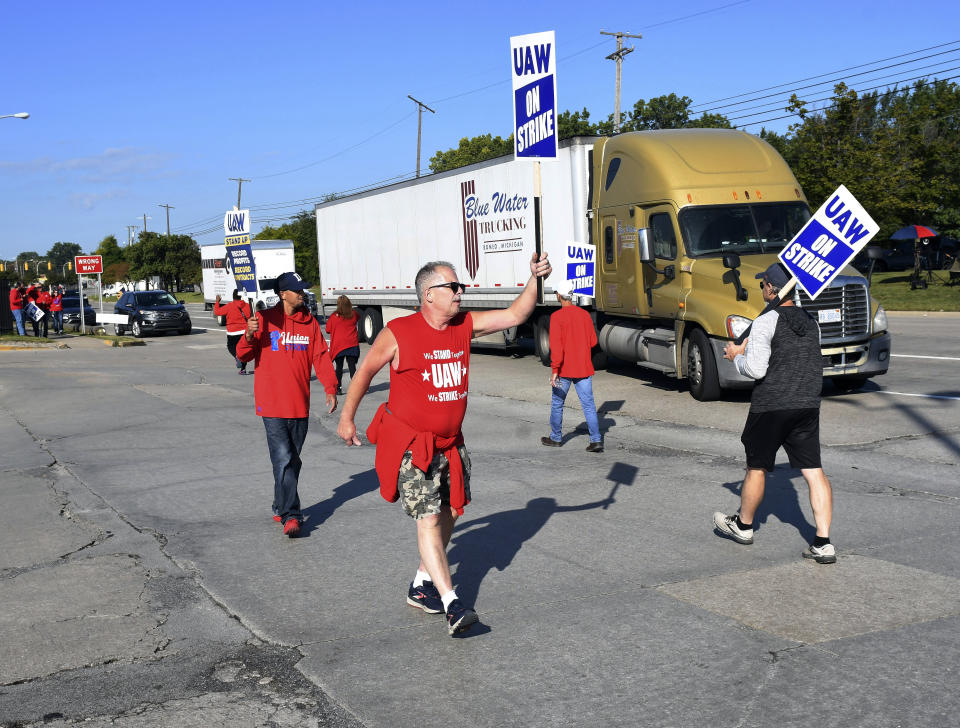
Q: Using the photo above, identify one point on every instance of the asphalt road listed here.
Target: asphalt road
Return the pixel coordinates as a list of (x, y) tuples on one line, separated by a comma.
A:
[(142, 581)]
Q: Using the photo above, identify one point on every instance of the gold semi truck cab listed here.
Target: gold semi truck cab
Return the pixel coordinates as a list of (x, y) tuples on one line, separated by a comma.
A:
[(683, 220)]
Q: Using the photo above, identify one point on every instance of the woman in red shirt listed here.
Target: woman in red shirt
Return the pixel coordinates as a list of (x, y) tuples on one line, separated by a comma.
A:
[(344, 342), (56, 308)]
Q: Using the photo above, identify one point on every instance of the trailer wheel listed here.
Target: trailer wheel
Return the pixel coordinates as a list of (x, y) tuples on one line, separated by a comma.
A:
[(702, 368), (541, 338), (370, 324), (598, 358)]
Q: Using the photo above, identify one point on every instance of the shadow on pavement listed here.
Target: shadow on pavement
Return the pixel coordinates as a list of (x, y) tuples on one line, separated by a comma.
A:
[(492, 542), (781, 501), (358, 485)]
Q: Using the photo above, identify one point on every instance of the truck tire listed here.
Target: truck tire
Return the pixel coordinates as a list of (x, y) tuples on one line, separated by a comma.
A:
[(702, 368), (598, 358), (541, 338), (849, 382), (370, 324), (221, 320)]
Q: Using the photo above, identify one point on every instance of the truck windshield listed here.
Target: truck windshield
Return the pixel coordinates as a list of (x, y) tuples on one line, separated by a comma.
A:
[(762, 228)]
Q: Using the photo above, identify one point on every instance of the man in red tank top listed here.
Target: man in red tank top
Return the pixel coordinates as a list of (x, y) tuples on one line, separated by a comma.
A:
[(421, 459)]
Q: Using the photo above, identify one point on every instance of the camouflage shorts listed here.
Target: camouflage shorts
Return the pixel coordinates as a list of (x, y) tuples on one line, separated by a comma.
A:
[(422, 493)]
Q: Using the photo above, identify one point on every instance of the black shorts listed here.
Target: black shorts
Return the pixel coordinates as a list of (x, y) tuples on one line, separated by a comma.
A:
[(796, 430)]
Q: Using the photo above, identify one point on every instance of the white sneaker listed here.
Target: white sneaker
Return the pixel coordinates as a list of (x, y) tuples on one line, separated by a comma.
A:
[(821, 554), (727, 526)]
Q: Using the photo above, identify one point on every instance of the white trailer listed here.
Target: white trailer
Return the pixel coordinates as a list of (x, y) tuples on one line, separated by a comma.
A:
[(271, 258), (481, 218)]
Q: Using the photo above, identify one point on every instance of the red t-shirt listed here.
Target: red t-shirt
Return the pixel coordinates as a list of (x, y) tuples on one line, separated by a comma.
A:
[(56, 304), (428, 390), (16, 300), (237, 313), (572, 336), (285, 350), (44, 300), (343, 333)]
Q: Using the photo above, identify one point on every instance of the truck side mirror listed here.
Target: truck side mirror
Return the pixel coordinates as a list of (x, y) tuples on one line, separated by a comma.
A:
[(644, 245), (731, 260)]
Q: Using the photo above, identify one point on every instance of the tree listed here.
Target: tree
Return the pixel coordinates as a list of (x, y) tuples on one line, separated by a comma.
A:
[(62, 253), (116, 272), (896, 151), (470, 150), (176, 260), (111, 251), (302, 230), (668, 112), (575, 123)]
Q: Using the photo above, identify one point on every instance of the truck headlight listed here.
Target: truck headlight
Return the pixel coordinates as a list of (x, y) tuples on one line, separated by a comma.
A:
[(879, 321), (736, 325)]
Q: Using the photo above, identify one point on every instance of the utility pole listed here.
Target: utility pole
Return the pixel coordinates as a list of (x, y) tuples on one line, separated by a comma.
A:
[(420, 107), (144, 222), (239, 181), (130, 229), (618, 57), (169, 207)]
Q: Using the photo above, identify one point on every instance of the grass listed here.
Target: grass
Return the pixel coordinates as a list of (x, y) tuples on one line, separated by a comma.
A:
[(893, 291)]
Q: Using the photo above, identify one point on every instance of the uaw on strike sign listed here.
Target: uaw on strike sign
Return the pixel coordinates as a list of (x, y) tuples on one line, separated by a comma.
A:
[(830, 239), (534, 63), (236, 228)]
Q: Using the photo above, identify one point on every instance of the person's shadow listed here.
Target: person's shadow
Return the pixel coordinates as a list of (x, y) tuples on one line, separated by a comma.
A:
[(780, 499), (492, 542), (358, 485)]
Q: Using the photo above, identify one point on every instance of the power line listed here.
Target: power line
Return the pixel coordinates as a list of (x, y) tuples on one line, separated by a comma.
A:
[(897, 78), (826, 108), (828, 73), (842, 78)]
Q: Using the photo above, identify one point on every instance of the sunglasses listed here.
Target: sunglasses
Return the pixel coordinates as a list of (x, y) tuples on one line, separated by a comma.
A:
[(454, 286)]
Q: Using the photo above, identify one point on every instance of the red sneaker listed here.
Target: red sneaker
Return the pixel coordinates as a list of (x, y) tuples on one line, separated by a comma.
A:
[(291, 528), (277, 518)]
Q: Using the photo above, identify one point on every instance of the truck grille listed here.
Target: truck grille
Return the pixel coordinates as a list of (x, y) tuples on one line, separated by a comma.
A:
[(854, 305)]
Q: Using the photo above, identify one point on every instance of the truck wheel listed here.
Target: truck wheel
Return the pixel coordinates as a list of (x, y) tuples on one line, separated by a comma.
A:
[(118, 330), (541, 339), (702, 368), (849, 382), (370, 324), (221, 320), (136, 330), (598, 357)]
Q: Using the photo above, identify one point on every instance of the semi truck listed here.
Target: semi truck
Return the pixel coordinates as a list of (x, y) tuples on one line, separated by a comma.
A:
[(680, 221), (270, 257)]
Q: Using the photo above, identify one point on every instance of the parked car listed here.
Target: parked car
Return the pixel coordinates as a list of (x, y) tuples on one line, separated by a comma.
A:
[(898, 257), (71, 312), (151, 312)]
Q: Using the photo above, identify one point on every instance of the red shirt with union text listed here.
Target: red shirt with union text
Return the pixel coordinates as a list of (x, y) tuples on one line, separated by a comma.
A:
[(428, 390)]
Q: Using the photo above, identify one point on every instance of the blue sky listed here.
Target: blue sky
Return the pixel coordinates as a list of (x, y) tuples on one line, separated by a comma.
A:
[(134, 105)]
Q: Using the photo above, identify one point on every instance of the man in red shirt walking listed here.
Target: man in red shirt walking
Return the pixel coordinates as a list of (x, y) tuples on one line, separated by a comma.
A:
[(237, 313), (286, 342), (572, 337), (421, 459)]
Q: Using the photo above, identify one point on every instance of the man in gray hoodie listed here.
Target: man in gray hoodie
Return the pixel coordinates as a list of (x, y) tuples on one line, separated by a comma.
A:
[(783, 355)]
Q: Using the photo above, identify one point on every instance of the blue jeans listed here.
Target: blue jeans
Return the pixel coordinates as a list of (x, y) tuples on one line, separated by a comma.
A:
[(57, 321), (584, 387), (18, 317), (285, 436)]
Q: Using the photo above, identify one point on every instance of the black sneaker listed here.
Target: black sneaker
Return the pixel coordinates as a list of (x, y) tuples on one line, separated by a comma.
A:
[(460, 618), (425, 597)]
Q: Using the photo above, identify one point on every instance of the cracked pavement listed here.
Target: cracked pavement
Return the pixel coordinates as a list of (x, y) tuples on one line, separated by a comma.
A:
[(142, 582)]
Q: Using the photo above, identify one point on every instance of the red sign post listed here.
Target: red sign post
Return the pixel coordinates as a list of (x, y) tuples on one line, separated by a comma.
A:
[(88, 264)]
